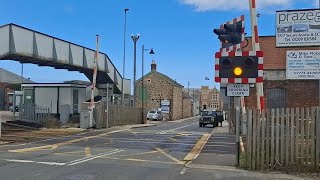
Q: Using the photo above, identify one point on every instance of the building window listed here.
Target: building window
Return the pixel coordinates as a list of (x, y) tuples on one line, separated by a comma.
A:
[(149, 80)]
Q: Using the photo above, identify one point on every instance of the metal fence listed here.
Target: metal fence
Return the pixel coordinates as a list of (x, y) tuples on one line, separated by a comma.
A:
[(284, 139), (34, 114)]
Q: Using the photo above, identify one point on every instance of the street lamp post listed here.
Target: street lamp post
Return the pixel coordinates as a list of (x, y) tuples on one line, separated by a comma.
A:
[(135, 38), (124, 54), (142, 78)]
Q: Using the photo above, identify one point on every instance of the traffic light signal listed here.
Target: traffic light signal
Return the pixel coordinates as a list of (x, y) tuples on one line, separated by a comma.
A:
[(231, 34), (240, 67)]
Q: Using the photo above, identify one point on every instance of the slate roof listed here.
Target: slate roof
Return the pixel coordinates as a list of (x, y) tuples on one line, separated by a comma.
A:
[(167, 78), (11, 78)]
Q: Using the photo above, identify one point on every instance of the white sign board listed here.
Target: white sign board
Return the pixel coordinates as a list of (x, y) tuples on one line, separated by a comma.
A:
[(238, 90), (303, 64), (298, 28), (165, 102), (165, 106)]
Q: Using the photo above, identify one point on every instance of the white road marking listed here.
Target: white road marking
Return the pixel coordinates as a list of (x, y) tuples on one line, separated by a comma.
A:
[(171, 130), (37, 162), (183, 171), (82, 160)]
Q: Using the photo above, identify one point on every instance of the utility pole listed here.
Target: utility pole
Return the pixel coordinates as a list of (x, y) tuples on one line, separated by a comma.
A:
[(135, 39), (142, 89), (124, 54)]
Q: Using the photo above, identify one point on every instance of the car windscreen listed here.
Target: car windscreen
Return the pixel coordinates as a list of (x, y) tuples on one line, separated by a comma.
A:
[(152, 112), (208, 113)]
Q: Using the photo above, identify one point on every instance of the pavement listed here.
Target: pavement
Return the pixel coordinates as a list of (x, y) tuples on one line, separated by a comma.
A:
[(6, 116), (144, 153), (220, 149)]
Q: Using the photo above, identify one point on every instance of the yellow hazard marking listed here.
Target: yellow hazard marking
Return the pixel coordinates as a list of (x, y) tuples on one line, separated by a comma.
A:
[(61, 144), (169, 156), (87, 151), (197, 148)]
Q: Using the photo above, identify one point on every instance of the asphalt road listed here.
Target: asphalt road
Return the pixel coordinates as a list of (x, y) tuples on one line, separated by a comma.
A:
[(119, 154), (143, 153)]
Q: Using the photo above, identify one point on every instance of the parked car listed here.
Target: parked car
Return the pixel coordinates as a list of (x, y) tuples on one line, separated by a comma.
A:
[(208, 117), (154, 115)]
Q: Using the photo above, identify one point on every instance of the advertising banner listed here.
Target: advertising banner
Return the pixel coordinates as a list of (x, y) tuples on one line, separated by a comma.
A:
[(303, 64), (298, 28)]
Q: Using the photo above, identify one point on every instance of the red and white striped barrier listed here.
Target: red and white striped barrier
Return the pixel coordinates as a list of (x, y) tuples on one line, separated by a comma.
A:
[(256, 47)]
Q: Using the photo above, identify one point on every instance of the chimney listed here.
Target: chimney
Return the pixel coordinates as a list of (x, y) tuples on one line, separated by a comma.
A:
[(153, 66)]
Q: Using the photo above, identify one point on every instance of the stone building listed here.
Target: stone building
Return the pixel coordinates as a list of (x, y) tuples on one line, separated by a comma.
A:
[(210, 98), (195, 94), (280, 92), (158, 87)]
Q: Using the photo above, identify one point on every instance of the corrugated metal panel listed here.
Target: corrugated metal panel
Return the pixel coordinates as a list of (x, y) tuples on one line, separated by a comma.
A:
[(65, 96), (47, 97)]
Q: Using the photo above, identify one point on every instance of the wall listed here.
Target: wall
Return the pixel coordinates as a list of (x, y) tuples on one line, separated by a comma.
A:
[(274, 58), (47, 97), (177, 106), (300, 93), (157, 89), (4, 99), (187, 107)]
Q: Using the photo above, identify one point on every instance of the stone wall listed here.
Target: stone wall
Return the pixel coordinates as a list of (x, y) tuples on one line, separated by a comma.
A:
[(187, 107), (177, 107)]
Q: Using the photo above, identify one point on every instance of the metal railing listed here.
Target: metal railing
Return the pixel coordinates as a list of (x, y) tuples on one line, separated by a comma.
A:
[(34, 114)]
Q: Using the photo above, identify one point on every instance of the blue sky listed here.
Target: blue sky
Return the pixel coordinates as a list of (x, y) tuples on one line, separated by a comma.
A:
[(180, 31)]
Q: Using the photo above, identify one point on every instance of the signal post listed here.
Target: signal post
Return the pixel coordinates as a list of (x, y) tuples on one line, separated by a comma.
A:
[(234, 66)]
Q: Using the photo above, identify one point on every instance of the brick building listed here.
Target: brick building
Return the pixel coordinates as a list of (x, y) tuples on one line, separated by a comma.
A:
[(9, 82), (210, 98), (158, 87), (280, 92)]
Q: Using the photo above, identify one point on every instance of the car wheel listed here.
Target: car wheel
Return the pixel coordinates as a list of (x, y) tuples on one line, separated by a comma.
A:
[(200, 125), (204, 125)]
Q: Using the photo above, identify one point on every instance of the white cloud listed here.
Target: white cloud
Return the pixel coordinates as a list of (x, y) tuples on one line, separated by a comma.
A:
[(206, 5)]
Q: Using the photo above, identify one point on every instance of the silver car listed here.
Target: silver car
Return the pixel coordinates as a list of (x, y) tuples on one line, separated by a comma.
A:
[(154, 115)]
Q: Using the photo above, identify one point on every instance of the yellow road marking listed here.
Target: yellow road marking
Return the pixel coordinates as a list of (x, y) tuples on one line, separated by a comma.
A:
[(184, 134), (173, 140), (132, 132), (61, 144), (197, 148), (169, 156), (54, 147), (140, 160), (241, 144), (87, 151)]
